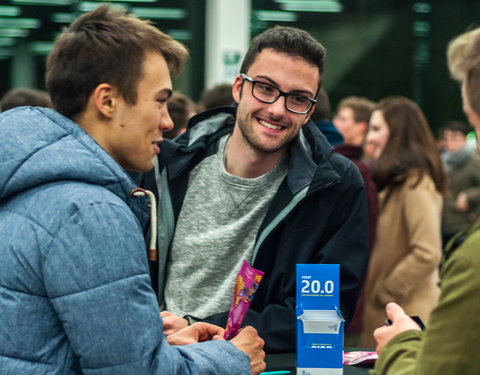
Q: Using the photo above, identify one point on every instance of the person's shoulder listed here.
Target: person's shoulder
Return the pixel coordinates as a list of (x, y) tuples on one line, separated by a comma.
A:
[(345, 167), (71, 196)]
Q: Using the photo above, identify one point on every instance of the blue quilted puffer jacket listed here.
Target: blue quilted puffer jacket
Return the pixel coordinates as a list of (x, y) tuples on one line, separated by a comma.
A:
[(75, 294)]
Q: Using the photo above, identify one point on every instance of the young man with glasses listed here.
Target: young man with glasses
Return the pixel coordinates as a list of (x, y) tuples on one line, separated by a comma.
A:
[(257, 182)]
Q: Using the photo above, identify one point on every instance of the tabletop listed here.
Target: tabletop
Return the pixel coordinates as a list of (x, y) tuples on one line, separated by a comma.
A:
[(286, 361)]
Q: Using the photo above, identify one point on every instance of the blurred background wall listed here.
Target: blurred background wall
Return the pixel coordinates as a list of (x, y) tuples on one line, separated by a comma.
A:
[(375, 48)]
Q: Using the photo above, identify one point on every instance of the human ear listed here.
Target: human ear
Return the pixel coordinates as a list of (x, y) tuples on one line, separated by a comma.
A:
[(237, 88), (105, 99)]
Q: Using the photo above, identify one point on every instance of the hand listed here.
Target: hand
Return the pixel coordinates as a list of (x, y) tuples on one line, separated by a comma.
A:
[(172, 323), (248, 341), (400, 322), (197, 332), (461, 204)]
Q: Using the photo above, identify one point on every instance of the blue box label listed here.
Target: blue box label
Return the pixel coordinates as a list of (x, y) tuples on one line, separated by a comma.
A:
[(319, 320)]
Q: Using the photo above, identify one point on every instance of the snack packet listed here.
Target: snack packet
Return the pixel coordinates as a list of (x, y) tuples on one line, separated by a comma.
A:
[(359, 358), (246, 284)]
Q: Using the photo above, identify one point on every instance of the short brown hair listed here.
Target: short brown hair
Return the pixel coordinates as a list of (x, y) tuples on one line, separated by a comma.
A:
[(464, 62), (217, 96), (25, 96), (362, 108), (180, 109), (104, 46), (289, 40)]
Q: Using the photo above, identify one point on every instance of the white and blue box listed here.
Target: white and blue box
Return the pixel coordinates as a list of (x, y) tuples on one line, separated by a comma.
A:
[(319, 320)]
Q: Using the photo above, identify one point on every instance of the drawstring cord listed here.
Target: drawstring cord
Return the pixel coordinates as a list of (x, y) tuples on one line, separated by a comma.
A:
[(139, 192)]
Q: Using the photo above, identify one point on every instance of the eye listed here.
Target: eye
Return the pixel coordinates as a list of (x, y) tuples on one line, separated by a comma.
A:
[(298, 99), (265, 88)]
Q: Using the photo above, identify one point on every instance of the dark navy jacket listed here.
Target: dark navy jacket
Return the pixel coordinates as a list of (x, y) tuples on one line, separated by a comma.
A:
[(318, 215)]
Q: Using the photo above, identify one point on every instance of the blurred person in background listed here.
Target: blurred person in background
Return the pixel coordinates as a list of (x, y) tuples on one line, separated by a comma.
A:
[(322, 117), (217, 96), (181, 108), (25, 96), (449, 346), (409, 174), (351, 120), (462, 164)]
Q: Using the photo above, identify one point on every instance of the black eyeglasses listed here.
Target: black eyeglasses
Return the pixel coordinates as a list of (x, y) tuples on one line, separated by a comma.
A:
[(267, 93)]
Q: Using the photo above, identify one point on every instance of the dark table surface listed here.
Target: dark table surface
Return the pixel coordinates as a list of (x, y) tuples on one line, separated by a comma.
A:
[(286, 361)]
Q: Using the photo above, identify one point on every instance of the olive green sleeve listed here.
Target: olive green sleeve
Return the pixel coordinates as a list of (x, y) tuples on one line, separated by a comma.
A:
[(399, 356), (449, 346)]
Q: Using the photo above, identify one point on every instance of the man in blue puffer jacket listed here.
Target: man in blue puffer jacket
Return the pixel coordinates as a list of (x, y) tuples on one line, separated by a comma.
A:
[(75, 294)]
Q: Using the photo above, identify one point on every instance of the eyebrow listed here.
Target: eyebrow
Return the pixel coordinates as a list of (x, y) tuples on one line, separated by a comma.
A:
[(167, 92), (308, 93)]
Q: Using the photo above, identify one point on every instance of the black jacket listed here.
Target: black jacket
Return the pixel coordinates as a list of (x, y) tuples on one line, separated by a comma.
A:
[(318, 215)]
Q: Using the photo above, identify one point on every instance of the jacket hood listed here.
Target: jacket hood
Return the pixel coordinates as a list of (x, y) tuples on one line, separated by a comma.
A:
[(40, 146)]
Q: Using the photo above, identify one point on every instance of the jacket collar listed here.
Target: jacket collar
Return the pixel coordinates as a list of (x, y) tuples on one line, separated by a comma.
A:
[(310, 152)]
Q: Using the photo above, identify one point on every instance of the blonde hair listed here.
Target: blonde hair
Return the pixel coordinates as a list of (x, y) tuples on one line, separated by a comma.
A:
[(463, 56)]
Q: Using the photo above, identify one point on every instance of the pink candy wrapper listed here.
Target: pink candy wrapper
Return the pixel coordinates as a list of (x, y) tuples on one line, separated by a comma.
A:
[(359, 358), (248, 280)]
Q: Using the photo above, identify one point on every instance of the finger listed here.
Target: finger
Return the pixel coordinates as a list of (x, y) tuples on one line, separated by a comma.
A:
[(394, 311), (217, 337), (206, 331), (165, 314), (168, 331), (167, 323)]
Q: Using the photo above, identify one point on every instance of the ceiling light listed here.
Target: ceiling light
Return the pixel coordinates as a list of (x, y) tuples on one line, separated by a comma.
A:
[(41, 48), (62, 17), (42, 2), (9, 11), (7, 42), (131, 1), (422, 7), (14, 33), (311, 6), (181, 35), (275, 15), (21, 23), (160, 13), (88, 6)]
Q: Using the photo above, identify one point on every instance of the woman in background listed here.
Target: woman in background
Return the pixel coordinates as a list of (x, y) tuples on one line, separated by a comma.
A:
[(449, 346), (409, 174)]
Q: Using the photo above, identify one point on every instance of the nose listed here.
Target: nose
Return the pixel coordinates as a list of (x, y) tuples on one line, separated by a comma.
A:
[(166, 122), (278, 107), (369, 137)]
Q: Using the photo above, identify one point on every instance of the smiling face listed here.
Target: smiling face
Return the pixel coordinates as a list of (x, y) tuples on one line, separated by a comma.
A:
[(268, 128), (136, 129), (378, 133)]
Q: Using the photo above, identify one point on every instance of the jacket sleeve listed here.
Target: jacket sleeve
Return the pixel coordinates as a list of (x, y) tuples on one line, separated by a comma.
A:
[(399, 356), (450, 343), (96, 277), (276, 324), (422, 213)]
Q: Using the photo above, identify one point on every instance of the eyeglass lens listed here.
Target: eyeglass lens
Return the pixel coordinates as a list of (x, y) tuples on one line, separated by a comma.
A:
[(267, 93)]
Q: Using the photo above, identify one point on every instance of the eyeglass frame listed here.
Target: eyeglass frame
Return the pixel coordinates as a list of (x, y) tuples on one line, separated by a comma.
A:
[(281, 93)]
